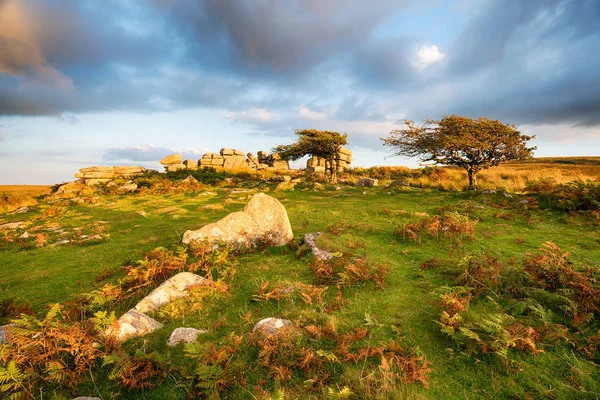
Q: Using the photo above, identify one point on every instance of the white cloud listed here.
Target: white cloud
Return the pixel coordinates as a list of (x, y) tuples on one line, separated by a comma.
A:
[(307, 113), (256, 115), (2, 137), (428, 55), (149, 152)]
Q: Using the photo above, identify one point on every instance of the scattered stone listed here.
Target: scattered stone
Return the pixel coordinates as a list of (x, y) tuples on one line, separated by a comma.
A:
[(87, 398), (286, 186), (367, 182), (489, 191), (263, 217), (171, 160), (309, 240), (128, 187), (132, 324), (173, 288), (61, 242), (3, 332), (190, 179), (184, 335), (281, 178), (270, 326), (524, 201), (338, 188), (399, 182), (21, 210), (24, 235), (12, 225)]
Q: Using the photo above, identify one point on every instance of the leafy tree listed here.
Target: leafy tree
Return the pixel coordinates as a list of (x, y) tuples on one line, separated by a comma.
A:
[(324, 144), (468, 143)]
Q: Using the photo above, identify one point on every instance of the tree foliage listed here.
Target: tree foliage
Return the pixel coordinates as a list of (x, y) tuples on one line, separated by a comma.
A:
[(324, 144), (468, 143)]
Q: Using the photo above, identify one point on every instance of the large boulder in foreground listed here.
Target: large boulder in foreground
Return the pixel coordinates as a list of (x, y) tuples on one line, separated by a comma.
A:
[(264, 217)]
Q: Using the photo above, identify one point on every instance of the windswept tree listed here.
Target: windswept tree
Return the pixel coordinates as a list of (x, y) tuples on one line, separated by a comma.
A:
[(468, 143), (324, 144)]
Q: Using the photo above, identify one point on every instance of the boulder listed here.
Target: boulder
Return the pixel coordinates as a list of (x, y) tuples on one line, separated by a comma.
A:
[(128, 187), (87, 398), (367, 182), (286, 186), (184, 335), (191, 164), (94, 182), (132, 324), (190, 179), (173, 288), (234, 161), (271, 326), (175, 167), (239, 153), (226, 152), (12, 225), (171, 160), (263, 217)]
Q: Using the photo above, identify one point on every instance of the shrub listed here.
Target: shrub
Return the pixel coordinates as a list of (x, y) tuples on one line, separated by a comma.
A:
[(343, 271), (449, 225), (572, 196)]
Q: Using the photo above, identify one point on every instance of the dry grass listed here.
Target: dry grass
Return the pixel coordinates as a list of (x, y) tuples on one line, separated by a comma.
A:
[(25, 190), (16, 196), (510, 177)]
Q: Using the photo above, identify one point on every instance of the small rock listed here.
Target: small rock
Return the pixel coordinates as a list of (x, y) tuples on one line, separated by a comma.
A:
[(24, 235), (338, 188), (309, 240), (286, 186), (87, 398), (270, 326), (190, 179), (3, 339), (60, 242), (367, 182), (12, 225), (507, 195), (184, 335), (490, 191), (128, 187), (132, 324), (21, 210), (524, 201), (400, 182)]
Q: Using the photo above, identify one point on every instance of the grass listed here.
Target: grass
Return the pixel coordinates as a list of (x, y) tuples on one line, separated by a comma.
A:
[(356, 220)]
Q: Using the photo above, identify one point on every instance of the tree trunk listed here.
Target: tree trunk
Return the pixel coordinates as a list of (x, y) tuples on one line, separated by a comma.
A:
[(332, 170), (472, 178)]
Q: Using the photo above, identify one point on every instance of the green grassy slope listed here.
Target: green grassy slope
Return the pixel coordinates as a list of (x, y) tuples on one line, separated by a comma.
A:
[(404, 310)]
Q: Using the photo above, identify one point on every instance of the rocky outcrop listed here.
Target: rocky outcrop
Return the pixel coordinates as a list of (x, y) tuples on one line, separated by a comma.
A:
[(271, 326), (173, 288), (343, 159), (264, 217), (184, 335), (173, 159), (94, 175)]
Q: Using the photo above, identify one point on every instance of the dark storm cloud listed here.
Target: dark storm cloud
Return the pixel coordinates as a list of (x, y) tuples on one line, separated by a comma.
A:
[(525, 62)]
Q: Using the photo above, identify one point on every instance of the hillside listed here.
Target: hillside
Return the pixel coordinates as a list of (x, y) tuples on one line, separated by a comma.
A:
[(388, 308)]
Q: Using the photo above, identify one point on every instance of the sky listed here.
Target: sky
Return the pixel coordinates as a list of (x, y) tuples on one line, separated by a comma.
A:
[(127, 82)]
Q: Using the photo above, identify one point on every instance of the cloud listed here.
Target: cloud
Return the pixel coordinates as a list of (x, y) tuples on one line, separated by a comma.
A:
[(255, 115), (427, 55), (21, 47), (148, 153), (2, 136), (307, 113)]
